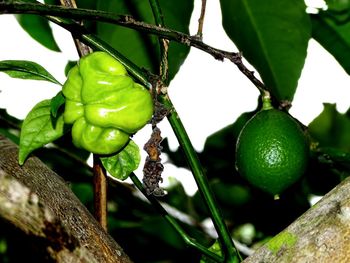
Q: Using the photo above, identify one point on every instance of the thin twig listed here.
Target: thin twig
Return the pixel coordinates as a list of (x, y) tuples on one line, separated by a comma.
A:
[(153, 167), (201, 20), (163, 43), (100, 192), (130, 22), (81, 47)]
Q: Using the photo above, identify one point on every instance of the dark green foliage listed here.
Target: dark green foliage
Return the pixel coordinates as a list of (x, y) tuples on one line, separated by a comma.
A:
[(273, 36), (38, 28), (334, 36), (331, 128)]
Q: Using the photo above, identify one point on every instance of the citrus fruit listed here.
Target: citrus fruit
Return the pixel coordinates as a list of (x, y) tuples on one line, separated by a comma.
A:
[(271, 151)]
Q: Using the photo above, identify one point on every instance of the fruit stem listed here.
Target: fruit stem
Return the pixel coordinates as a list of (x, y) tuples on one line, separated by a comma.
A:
[(266, 101)]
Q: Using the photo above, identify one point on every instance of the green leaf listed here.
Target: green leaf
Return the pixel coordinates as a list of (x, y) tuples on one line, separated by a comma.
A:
[(23, 69), (273, 36), (338, 5), (9, 135), (215, 248), (141, 48), (38, 129), (69, 66), (56, 103), (87, 4), (334, 37), (123, 163), (38, 28), (8, 120), (52, 2), (9, 126), (331, 128)]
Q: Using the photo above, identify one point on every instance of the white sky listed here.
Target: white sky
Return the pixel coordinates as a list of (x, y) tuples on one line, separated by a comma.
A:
[(207, 94)]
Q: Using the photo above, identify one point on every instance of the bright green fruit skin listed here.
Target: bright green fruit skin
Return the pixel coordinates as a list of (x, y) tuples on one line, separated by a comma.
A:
[(272, 151), (104, 104)]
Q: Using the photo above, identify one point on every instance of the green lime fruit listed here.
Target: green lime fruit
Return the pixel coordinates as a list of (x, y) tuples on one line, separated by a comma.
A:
[(272, 151)]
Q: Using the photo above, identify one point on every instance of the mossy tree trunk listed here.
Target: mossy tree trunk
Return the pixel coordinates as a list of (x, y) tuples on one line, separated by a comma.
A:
[(321, 234), (38, 202)]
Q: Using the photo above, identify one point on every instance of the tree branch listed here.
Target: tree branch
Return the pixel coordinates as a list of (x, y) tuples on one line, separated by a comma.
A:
[(320, 235), (130, 22), (38, 201)]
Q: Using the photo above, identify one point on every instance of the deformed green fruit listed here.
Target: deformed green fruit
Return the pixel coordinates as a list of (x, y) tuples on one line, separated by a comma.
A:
[(272, 151), (104, 104)]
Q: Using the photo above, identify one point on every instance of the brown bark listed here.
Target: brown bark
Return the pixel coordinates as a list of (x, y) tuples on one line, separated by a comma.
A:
[(36, 200), (100, 193)]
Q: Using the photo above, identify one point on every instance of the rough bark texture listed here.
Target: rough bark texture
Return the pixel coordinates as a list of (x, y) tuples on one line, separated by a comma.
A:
[(38, 201), (322, 234)]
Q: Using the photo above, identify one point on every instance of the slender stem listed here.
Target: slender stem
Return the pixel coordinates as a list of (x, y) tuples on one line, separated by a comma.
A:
[(99, 173), (157, 12), (81, 47), (128, 21), (201, 20), (229, 249), (191, 155), (100, 192), (195, 162), (188, 240), (331, 155), (163, 43)]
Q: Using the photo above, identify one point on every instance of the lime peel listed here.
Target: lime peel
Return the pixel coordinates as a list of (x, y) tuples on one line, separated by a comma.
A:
[(272, 151)]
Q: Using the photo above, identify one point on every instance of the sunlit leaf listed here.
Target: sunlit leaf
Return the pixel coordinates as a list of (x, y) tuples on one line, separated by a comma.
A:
[(273, 36), (23, 69), (38, 129), (125, 162)]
